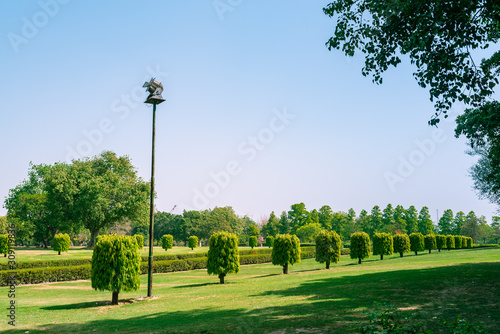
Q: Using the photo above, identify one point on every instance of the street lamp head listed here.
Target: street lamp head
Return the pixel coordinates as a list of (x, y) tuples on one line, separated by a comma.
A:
[(155, 88)]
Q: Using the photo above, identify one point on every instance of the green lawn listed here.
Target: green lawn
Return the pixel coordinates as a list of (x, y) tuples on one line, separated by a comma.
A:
[(261, 300)]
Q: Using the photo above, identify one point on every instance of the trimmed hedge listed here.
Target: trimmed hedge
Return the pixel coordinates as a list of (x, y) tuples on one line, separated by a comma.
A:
[(440, 242), (360, 246), (417, 242), (42, 275), (383, 244)]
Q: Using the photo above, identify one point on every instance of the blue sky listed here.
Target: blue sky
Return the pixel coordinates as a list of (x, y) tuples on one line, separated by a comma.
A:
[(258, 115)]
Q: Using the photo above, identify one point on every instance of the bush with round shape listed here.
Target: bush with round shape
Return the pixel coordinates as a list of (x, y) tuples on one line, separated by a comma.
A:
[(167, 242), (360, 246), (401, 244), (440, 242), (458, 241), (269, 241), (417, 242), (383, 244), (116, 265), (140, 241), (4, 244), (223, 255), (286, 250), (430, 242), (252, 241), (328, 247), (61, 243), (193, 242), (450, 241)]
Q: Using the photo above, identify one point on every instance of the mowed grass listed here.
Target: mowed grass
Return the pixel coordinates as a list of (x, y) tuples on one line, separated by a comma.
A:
[(261, 300)]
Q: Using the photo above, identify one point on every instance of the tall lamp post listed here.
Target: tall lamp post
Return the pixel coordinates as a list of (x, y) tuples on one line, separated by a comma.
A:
[(155, 88)]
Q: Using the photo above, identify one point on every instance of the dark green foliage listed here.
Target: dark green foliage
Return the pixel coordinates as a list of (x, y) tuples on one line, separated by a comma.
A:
[(286, 250), (328, 247), (360, 246), (458, 241), (417, 242), (140, 241), (252, 241), (430, 242), (440, 242), (61, 243), (470, 243), (116, 265), (193, 242), (450, 242), (383, 244), (42, 275), (269, 241), (167, 241), (390, 320), (4, 244), (461, 326), (223, 255), (401, 244)]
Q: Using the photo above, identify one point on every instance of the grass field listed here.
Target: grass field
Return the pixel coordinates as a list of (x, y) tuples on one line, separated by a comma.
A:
[(261, 300)]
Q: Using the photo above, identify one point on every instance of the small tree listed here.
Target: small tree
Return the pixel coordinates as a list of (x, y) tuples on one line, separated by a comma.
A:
[(193, 242), (417, 242), (440, 242), (252, 241), (4, 244), (269, 241), (328, 246), (430, 242), (401, 244), (464, 242), (286, 250), (167, 241), (383, 244), (458, 241), (360, 246), (61, 243), (223, 255), (470, 243), (116, 265), (450, 242), (140, 241)]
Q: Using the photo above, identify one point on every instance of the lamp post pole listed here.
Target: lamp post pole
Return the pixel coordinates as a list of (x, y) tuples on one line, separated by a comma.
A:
[(151, 209)]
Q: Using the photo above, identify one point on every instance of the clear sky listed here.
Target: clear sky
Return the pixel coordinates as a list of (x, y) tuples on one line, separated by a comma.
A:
[(258, 115)]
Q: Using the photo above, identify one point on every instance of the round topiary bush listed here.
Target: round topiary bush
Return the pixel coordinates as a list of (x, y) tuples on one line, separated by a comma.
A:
[(440, 242), (223, 255), (286, 250), (140, 241), (430, 242), (116, 265), (417, 242), (458, 241), (360, 246), (61, 243), (167, 241), (383, 244), (328, 247), (269, 241), (252, 241), (193, 242), (401, 243), (450, 241)]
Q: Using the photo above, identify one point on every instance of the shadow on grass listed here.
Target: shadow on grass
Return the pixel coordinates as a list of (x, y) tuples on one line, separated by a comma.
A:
[(331, 304)]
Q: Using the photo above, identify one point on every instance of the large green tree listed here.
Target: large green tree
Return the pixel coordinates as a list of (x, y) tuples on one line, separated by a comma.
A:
[(328, 247), (439, 37), (325, 217), (399, 220), (424, 221), (411, 217), (445, 222), (298, 216)]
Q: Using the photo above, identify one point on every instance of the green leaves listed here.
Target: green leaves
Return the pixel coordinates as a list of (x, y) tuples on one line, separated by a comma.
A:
[(223, 254), (61, 242), (401, 243), (167, 241), (286, 250), (383, 244), (328, 247), (360, 246), (416, 242), (252, 241), (193, 242), (4, 244)]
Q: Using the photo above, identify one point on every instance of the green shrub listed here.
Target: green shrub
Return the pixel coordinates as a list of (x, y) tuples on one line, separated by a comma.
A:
[(458, 241), (430, 242), (223, 255), (416, 242), (328, 246), (252, 241), (450, 242), (286, 250), (383, 244), (464, 242), (360, 246), (440, 242), (401, 244), (269, 241), (4, 244), (116, 265), (42, 275), (254, 259), (61, 243), (193, 242), (140, 241), (167, 241), (470, 243)]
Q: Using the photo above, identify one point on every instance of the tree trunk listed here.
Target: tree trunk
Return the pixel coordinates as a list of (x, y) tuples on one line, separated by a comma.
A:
[(221, 277), (59, 253), (400, 254), (114, 300), (359, 260), (93, 236), (429, 251), (381, 256), (5, 255), (416, 253), (439, 250), (327, 264), (285, 268)]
